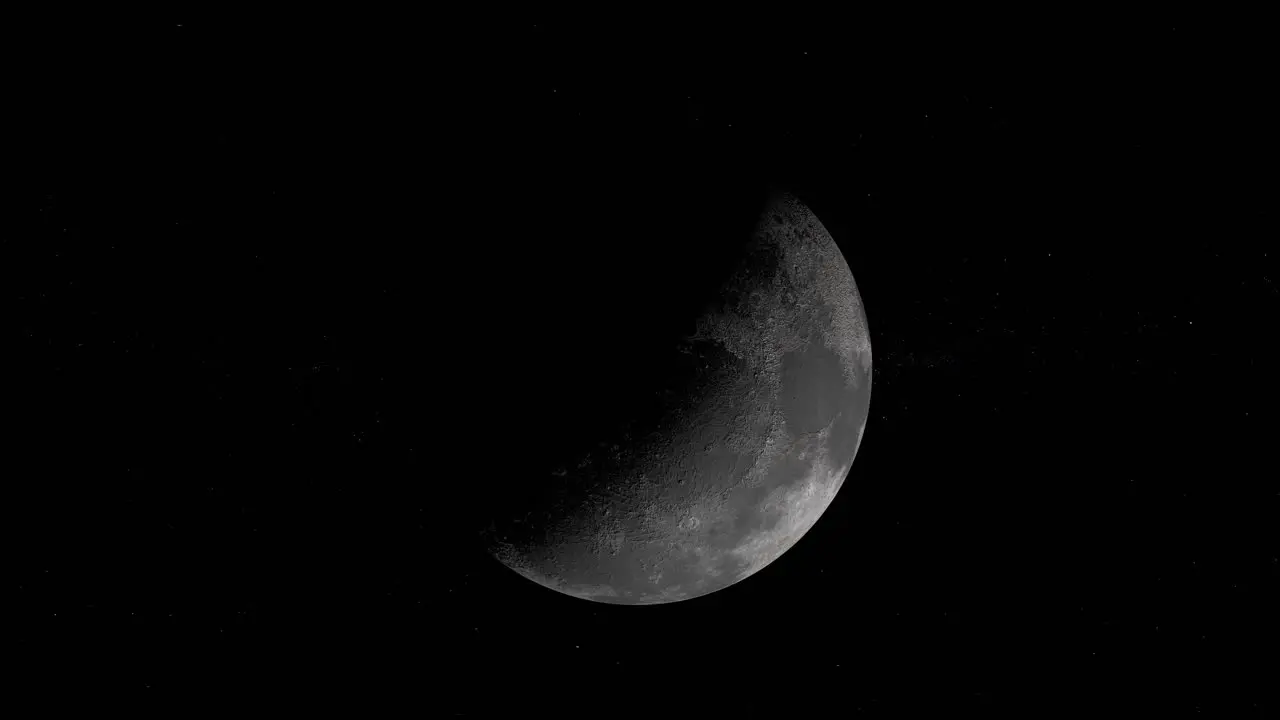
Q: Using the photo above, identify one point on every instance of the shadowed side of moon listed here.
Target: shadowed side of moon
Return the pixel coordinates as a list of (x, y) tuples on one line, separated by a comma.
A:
[(739, 437)]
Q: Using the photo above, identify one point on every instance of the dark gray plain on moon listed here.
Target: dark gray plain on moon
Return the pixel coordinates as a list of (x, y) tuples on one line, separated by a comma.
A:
[(742, 463)]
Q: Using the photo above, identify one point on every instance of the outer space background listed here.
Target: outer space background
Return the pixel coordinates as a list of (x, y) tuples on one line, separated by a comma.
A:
[(257, 343)]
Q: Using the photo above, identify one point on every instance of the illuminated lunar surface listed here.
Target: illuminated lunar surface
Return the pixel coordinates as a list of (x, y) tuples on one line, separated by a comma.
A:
[(745, 458)]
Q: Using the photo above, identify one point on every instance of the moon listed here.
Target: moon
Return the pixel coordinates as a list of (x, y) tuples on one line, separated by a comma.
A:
[(735, 457)]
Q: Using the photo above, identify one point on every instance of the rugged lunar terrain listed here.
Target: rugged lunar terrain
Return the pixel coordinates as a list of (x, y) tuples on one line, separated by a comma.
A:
[(743, 459)]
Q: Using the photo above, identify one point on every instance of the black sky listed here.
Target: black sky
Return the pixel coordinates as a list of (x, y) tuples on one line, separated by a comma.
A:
[(273, 288)]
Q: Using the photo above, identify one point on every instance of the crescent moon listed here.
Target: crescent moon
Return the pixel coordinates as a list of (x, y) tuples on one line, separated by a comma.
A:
[(741, 467)]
